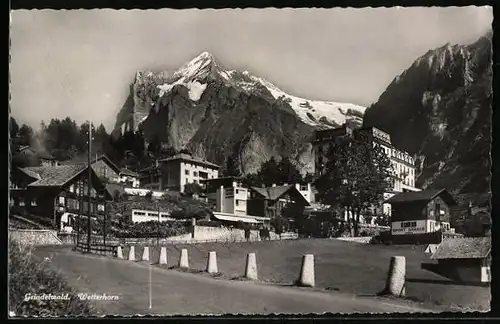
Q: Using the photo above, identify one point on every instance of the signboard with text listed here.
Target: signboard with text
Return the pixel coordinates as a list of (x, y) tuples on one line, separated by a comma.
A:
[(409, 227)]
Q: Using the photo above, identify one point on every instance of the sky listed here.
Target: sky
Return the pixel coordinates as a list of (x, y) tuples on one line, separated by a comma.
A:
[(80, 63)]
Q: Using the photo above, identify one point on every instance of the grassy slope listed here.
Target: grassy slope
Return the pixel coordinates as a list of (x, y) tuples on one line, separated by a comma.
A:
[(30, 275), (342, 266)]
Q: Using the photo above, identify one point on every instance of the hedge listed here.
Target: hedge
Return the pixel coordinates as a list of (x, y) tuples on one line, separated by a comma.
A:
[(152, 229), (30, 276)]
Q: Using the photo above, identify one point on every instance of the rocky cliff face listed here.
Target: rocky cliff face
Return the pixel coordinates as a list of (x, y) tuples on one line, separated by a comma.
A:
[(217, 113), (440, 110)]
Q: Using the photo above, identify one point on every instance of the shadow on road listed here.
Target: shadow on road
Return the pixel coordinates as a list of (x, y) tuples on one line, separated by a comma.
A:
[(444, 282)]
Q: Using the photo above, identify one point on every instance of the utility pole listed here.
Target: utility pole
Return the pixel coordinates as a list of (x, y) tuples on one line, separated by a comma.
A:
[(89, 182), (80, 206), (158, 227)]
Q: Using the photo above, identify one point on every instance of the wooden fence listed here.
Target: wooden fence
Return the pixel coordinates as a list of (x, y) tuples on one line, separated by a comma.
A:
[(99, 249)]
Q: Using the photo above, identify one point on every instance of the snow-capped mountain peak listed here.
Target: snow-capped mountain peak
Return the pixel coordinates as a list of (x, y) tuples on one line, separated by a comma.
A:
[(198, 72)]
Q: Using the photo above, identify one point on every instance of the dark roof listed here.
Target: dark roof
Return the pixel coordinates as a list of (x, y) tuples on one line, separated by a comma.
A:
[(463, 248), (84, 159), (221, 179), (275, 193), (424, 195), (30, 173), (129, 172), (53, 176), (40, 153), (189, 158)]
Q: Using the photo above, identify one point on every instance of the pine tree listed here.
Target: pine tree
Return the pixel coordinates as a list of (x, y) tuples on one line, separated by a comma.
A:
[(231, 168)]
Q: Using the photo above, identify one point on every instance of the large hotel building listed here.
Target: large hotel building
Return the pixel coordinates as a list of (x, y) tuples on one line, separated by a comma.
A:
[(403, 164)]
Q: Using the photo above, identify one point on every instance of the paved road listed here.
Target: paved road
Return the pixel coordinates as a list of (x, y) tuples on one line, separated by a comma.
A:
[(175, 293)]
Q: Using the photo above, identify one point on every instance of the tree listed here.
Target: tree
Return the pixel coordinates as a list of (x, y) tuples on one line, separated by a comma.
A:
[(25, 135), (309, 178), (192, 188), (14, 127), (287, 172), (278, 223), (167, 152), (274, 172), (154, 147), (231, 168), (382, 220), (358, 173)]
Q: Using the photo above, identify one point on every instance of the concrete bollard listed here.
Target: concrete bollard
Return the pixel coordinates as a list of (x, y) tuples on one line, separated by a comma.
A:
[(119, 253), (251, 267), (163, 256), (212, 262), (395, 284), (184, 261), (145, 254), (131, 253), (307, 271)]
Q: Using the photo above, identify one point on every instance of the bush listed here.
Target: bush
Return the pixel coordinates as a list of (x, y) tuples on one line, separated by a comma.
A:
[(153, 229), (209, 223), (29, 276)]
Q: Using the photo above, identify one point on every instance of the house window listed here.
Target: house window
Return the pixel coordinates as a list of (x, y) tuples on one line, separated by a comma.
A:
[(72, 188), (237, 202), (195, 174), (236, 191), (21, 202), (437, 209), (186, 172), (100, 207), (61, 200), (33, 202)]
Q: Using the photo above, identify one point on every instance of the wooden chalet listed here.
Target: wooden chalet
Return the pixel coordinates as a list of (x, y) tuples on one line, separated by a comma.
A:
[(269, 202), (55, 192), (466, 259)]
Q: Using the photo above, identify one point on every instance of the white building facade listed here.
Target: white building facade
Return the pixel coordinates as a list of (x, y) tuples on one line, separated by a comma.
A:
[(176, 172), (232, 200), (402, 163)]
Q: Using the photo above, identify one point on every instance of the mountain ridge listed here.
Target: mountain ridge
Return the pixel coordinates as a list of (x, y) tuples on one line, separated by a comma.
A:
[(439, 109), (202, 103)]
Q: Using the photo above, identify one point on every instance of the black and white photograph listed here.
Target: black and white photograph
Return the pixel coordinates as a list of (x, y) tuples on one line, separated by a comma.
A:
[(250, 161)]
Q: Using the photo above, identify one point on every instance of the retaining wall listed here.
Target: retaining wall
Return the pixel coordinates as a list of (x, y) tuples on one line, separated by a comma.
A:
[(35, 237)]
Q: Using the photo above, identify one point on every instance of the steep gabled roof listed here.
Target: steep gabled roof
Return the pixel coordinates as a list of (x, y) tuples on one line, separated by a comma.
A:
[(275, 193), (424, 195), (41, 153), (128, 172), (30, 173), (53, 176), (189, 158), (84, 159), (463, 248)]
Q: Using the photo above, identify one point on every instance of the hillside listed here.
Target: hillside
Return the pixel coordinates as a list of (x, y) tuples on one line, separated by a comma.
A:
[(217, 113), (439, 109)]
